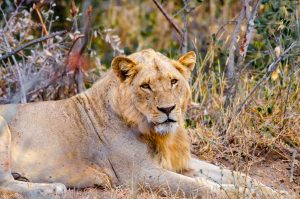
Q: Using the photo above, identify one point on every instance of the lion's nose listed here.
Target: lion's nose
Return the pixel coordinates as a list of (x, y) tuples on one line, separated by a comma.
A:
[(166, 110)]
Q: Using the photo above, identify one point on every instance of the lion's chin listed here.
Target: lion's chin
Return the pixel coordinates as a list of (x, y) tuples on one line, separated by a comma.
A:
[(166, 128)]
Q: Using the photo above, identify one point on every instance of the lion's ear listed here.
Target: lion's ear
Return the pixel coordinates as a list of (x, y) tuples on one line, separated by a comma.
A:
[(188, 60), (124, 67), (187, 64)]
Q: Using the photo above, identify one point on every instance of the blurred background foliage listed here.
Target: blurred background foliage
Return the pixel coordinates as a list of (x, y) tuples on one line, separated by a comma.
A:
[(139, 25)]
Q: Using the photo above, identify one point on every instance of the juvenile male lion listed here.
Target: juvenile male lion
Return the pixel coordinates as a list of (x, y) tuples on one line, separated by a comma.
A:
[(127, 129)]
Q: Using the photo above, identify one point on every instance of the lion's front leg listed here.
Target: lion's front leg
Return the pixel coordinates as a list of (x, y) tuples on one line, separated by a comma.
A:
[(171, 183), (7, 182), (34, 190), (168, 182), (233, 181)]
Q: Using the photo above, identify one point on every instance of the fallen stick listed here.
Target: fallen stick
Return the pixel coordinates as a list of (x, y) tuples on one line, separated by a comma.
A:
[(293, 165)]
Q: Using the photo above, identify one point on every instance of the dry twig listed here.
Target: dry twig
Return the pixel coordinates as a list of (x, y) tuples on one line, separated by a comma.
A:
[(13, 15), (234, 69), (13, 52), (170, 20), (185, 28), (36, 8), (272, 67), (287, 97), (230, 68), (249, 32), (293, 165), (75, 59)]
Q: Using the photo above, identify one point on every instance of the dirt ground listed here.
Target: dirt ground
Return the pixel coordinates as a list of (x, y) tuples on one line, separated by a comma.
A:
[(274, 171)]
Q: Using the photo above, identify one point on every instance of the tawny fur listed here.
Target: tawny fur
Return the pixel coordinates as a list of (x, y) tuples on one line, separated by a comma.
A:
[(113, 134), (171, 151)]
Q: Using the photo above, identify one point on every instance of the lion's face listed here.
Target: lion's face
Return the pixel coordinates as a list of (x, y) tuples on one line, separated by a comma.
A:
[(156, 88)]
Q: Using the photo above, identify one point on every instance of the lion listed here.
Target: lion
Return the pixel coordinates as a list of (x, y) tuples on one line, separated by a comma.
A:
[(128, 129)]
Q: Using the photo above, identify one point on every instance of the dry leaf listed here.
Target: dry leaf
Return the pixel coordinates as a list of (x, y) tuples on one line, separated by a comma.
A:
[(277, 51), (275, 74), (29, 37)]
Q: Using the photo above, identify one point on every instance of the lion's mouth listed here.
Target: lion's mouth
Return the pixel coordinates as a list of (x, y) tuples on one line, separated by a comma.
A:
[(167, 126), (168, 121)]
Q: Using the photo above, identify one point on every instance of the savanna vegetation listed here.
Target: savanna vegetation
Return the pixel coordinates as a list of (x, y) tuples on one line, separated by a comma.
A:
[(245, 113)]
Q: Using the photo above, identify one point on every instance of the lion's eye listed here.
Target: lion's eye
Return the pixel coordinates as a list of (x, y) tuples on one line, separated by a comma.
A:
[(174, 81), (146, 86)]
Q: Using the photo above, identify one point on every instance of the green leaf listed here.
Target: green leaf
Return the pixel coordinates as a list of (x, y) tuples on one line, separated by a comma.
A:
[(264, 1), (214, 37), (259, 109), (220, 42), (270, 110)]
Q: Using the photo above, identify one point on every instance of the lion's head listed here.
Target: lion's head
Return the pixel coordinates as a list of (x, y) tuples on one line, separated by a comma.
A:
[(154, 90)]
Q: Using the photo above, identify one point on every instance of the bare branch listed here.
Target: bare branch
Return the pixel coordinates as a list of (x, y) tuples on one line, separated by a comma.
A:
[(170, 20), (247, 9), (234, 69), (74, 12), (32, 43), (272, 67), (249, 32), (13, 16), (231, 68), (75, 58), (287, 96), (57, 75), (296, 11), (20, 77), (232, 47), (185, 28), (293, 165), (36, 8), (222, 28)]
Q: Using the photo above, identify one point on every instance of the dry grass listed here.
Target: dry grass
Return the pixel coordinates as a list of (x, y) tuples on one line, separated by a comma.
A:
[(260, 140)]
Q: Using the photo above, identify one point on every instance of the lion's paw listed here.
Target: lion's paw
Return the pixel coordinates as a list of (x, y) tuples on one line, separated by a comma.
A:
[(263, 191), (59, 188), (47, 190)]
